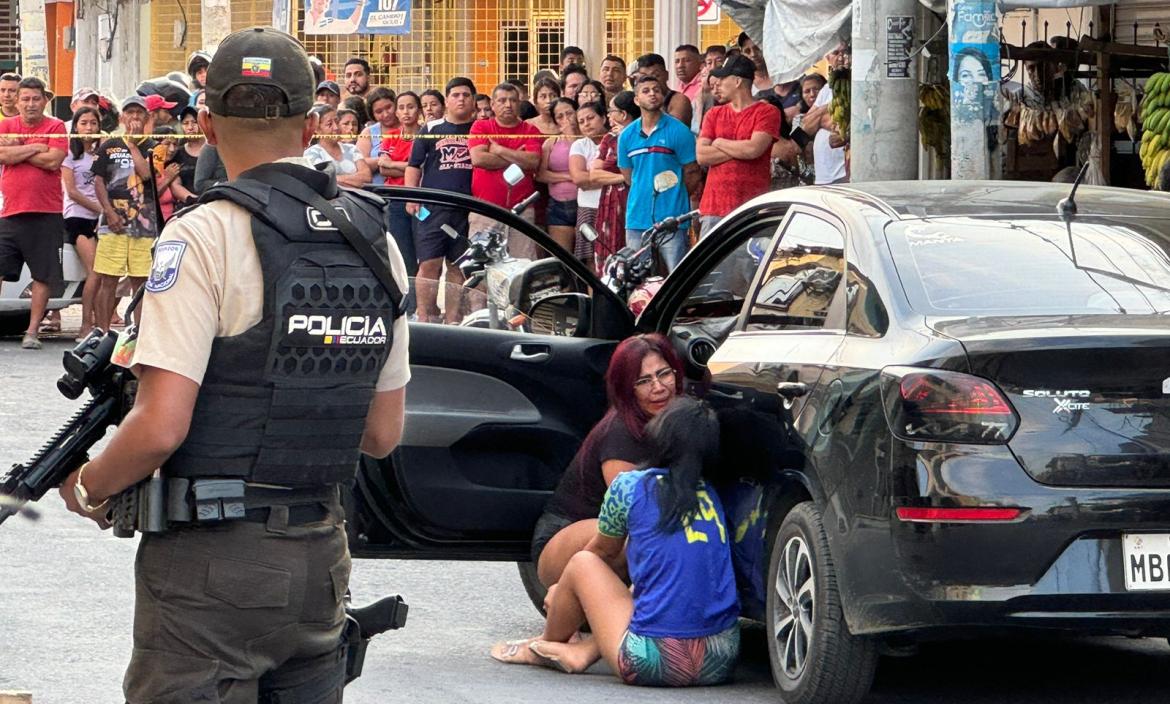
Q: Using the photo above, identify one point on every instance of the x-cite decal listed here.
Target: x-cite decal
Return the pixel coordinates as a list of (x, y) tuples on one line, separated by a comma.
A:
[(1067, 400)]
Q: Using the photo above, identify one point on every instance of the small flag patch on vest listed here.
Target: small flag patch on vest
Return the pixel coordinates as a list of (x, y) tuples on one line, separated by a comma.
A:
[(256, 67)]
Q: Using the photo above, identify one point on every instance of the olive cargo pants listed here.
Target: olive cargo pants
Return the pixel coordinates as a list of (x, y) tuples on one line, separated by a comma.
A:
[(237, 611)]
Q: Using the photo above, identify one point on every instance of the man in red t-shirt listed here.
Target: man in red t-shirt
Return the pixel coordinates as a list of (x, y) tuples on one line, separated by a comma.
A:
[(735, 143), (31, 224), (490, 156)]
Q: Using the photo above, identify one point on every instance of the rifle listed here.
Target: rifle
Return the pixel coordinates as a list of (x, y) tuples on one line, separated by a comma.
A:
[(111, 388)]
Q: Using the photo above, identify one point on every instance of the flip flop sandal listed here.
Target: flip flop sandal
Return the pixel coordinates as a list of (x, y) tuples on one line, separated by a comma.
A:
[(548, 661), (512, 652)]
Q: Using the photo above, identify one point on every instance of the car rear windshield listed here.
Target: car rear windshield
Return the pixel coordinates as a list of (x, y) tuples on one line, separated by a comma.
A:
[(1025, 266)]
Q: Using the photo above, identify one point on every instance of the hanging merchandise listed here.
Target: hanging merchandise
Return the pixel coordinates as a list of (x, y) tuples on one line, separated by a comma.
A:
[(841, 84), (1125, 113), (1155, 119), (1068, 116), (934, 118)]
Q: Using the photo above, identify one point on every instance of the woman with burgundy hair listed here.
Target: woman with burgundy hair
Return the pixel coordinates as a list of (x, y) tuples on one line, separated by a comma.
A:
[(644, 375)]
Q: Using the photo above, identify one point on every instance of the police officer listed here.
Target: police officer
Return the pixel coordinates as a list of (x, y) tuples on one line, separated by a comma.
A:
[(270, 350)]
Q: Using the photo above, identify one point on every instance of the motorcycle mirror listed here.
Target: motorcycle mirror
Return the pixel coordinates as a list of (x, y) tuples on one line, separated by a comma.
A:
[(514, 174), (664, 181), (449, 231), (588, 232)]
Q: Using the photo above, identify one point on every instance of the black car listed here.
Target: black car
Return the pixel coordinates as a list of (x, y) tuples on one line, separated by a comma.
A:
[(961, 402)]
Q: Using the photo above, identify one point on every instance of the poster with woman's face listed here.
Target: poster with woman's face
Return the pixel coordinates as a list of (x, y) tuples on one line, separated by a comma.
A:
[(974, 59), (974, 78)]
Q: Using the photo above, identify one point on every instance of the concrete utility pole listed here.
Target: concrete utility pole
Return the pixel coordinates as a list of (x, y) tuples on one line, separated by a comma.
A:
[(217, 22), (675, 23), (585, 28), (883, 118), (974, 74)]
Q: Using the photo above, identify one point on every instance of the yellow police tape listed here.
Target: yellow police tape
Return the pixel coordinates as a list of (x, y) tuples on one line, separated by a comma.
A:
[(114, 135)]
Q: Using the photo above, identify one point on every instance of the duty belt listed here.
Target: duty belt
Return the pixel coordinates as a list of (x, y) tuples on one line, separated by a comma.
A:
[(158, 504)]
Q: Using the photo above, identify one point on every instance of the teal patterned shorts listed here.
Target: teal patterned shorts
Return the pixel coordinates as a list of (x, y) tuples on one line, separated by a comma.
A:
[(678, 662)]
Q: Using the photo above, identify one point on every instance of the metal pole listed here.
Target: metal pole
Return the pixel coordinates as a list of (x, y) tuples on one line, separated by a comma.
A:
[(884, 108), (975, 74)]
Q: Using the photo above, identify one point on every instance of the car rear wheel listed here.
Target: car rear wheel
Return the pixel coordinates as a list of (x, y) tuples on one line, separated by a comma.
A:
[(814, 658), (13, 323), (532, 585)]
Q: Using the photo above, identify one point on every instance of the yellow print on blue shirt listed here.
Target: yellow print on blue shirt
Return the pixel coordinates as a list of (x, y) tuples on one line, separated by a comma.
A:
[(705, 515)]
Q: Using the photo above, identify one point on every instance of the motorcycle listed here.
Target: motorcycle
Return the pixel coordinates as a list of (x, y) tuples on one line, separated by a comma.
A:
[(636, 273), (513, 286)]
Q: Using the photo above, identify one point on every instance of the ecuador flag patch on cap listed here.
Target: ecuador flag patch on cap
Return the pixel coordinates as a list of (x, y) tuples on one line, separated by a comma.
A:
[(256, 67)]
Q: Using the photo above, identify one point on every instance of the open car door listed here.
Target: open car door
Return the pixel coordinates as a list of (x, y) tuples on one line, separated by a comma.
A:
[(497, 404)]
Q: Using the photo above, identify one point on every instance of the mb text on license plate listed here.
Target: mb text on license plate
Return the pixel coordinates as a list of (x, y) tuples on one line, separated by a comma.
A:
[(1147, 561)]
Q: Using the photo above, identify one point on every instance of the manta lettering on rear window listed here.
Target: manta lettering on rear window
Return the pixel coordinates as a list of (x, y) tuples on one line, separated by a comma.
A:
[(983, 266)]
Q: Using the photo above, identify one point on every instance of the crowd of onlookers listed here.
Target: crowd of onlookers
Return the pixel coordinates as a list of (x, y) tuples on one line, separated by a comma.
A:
[(590, 145)]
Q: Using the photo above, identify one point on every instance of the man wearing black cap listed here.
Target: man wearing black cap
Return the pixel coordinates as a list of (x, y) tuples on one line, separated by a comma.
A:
[(328, 93), (735, 143), (251, 403)]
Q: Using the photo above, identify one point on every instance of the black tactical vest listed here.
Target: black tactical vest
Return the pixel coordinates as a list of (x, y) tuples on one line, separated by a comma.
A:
[(285, 402)]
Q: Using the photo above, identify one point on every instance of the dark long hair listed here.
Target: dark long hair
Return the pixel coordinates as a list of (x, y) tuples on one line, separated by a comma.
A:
[(684, 440), (357, 105), (624, 101), (625, 366), (77, 144)]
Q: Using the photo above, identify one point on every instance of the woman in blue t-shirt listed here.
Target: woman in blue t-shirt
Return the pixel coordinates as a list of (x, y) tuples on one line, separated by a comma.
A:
[(679, 626)]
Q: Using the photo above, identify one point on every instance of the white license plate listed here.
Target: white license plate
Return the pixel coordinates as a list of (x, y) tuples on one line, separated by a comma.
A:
[(1147, 561)]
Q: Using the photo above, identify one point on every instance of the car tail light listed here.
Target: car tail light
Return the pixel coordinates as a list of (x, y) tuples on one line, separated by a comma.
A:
[(980, 514), (934, 405)]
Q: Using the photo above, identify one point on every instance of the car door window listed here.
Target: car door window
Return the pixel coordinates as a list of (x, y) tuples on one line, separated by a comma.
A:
[(475, 271), (801, 278), (712, 307), (867, 316)]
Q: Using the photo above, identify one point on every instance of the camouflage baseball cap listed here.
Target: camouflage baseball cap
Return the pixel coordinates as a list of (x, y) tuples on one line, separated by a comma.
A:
[(261, 56)]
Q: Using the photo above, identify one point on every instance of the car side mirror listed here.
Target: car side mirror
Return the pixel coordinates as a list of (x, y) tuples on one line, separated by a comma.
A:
[(564, 315)]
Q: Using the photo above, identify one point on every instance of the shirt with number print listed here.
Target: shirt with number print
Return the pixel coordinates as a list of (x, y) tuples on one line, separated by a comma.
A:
[(684, 585), (131, 196)]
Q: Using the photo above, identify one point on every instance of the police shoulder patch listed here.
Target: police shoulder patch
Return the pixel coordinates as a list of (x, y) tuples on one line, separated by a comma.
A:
[(164, 272)]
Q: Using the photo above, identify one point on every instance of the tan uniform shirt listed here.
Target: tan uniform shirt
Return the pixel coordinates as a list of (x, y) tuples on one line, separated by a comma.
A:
[(218, 291)]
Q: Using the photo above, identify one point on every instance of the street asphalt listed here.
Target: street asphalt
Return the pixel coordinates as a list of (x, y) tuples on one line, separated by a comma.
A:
[(66, 598)]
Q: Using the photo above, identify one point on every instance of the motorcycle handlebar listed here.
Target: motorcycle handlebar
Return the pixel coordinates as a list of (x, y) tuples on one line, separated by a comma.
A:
[(671, 224), (523, 205)]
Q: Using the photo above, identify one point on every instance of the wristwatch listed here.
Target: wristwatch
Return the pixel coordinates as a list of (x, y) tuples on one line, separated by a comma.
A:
[(82, 495)]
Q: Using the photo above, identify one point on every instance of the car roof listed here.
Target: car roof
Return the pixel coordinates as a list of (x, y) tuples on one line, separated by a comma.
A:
[(918, 199)]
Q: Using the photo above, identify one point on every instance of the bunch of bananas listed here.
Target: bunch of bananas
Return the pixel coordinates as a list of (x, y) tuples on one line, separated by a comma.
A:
[(934, 118), (840, 82), (1155, 117)]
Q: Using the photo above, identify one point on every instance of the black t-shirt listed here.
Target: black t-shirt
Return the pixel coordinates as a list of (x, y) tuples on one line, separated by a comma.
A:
[(129, 194), (582, 487), (446, 162), (186, 164)]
